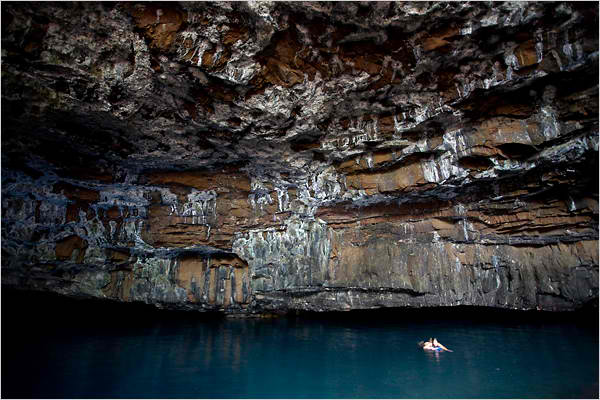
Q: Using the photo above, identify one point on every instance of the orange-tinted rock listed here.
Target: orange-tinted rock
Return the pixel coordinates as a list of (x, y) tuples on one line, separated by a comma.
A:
[(159, 22), (476, 163), (526, 53), (113, 213), (203, 279), (80, 198), (164, 230), (118, 256), (437, 40), (382, 157), (77, 193), (66, 247), (390, 181), (191, 276), (220, 181), (235, 33), (387, 125), (282, 61), (233, 213), (230, 211)]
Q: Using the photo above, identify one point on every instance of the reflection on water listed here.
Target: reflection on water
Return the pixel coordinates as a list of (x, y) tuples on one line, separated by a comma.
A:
[(433, 355), (107, 356)]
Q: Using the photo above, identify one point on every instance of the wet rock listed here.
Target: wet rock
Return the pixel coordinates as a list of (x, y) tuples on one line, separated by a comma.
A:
[(261, 157)]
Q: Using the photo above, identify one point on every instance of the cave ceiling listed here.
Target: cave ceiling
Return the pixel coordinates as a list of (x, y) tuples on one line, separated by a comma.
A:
[(222, 155)]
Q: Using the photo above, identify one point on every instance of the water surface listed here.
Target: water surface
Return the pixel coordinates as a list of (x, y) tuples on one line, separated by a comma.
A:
[(52, 348)]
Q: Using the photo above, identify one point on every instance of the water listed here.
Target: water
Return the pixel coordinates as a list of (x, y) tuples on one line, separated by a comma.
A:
[(56, 348)]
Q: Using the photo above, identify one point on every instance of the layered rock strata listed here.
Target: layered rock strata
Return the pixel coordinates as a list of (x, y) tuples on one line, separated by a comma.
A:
[(269, 157)]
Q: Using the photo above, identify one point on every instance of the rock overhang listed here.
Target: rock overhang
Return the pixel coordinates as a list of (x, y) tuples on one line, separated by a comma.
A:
[(376, 154)]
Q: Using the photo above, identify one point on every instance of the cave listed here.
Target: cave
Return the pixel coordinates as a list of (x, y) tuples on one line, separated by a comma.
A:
[(253, 158), (300, 177)]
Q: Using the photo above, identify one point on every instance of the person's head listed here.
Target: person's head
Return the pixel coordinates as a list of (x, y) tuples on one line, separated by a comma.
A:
[(435, 342)]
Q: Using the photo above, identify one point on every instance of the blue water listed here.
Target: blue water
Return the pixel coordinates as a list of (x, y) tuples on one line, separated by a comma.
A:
[(52, 350)]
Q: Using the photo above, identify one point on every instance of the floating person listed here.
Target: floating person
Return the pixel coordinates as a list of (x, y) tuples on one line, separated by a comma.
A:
[(433, 345), (427, 345)]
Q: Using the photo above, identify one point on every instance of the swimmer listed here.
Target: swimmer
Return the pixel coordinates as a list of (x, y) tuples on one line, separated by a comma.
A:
[(428, 345), (434, 345)]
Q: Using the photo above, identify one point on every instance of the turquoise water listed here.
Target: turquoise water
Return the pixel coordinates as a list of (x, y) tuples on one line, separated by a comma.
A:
[(55, 348)]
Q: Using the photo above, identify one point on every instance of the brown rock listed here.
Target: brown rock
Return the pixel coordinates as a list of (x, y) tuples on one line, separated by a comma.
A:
[(526, 53), (80, 198), (438, 40), (219, 181), (70, 245), (191, 276), (76, 193), (159, 22)]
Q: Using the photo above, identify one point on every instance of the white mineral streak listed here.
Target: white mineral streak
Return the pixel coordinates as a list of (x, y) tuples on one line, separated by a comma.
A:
[(539, 46), (549, 123), (488, 82), (204, 45), (201, 206), (417, 51), (454, 141), (326, 185), (239, 70), (281, 101), (369, 159), (508, 165), (467, 29), (409, 233), (416, 116), (140, 80), (124, 197), (458, 90), (397, 126), (259, 196), (509, 72), (511, 61), (489, 20), (571, 204), (132, 232), (295, 257), (568, 51), (438, 170), (283, 199), (569, 150), (113, 227), (183, 36), (579, 54), (468, 87), (263, 9)]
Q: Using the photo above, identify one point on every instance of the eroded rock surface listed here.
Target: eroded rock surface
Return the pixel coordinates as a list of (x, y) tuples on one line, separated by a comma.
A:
[(266, 156)]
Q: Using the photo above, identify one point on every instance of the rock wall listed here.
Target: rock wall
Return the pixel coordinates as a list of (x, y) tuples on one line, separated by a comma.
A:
[(265, 157)]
